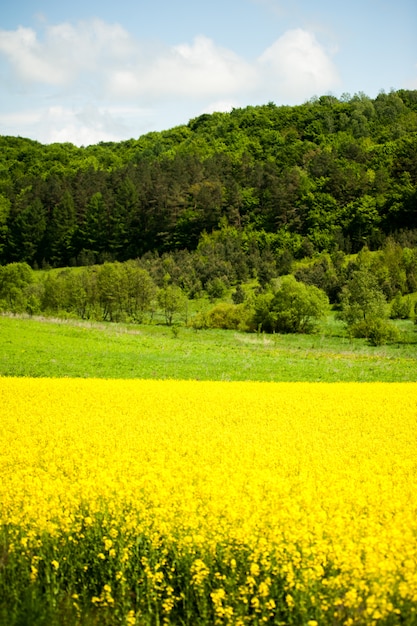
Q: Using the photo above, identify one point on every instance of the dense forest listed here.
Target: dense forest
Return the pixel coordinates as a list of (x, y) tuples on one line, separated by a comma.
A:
[(331, 174), (323, 195)]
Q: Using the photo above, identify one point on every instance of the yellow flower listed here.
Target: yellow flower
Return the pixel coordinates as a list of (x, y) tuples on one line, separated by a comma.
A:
[(107, 543), (130, 618), (247, 482), (289, 600), (254, 569), (263, 589)]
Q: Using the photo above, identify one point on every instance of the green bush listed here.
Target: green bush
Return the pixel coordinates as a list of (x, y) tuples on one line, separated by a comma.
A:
[(225, 316), (15, 278), (401, 308), (294, 308), (377, 331)]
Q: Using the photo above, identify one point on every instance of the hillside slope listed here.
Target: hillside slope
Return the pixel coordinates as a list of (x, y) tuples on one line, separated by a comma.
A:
[(329, 174)]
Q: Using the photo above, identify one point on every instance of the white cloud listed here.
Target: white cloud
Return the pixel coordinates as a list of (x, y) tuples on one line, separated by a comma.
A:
[(220, 106), (81, 126), (298, 66), (104, 59), (120, 66), (66, 51), (85, 126), (28, 57), (13, 121), (103, 70), (196, 70)]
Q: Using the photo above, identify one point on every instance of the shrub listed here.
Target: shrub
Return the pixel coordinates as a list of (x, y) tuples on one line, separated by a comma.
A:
[(14, 280), (225, 316), (378, 331), (294, 308), (401, 308)]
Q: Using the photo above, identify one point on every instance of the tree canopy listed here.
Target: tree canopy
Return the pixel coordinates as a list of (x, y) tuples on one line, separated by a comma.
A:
[(323, 176)]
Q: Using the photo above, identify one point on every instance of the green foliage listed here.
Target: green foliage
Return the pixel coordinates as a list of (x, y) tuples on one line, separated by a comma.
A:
[(231, 197), (216, 287), (378, 331), (362, 298), (325, 272), (224, 315), (401, 307), (4, 217), (127, 291), (112, 291), (172, 300), (364, 308), (293, 308), (329, 174), (238, 296), (140, 290), (14, 280)]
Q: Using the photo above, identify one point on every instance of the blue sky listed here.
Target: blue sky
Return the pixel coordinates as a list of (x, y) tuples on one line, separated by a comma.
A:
[(108, 70)]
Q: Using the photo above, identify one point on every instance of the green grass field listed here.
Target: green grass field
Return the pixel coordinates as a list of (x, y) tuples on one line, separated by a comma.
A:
[(43, 347)]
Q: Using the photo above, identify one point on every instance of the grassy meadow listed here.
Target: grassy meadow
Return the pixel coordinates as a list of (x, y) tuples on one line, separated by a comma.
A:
[(41, 347)]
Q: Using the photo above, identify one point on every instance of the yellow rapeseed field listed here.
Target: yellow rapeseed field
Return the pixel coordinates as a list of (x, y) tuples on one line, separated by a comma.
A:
[(150, 502)]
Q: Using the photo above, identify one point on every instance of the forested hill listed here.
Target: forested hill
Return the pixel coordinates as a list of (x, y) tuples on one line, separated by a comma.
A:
[(329, 174)]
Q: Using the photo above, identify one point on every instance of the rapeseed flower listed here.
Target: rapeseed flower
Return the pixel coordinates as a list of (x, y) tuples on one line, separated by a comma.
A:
[(235, 500)]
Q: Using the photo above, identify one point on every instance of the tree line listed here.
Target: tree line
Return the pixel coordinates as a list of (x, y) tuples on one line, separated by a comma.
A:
[(241, 286), (329, 175)]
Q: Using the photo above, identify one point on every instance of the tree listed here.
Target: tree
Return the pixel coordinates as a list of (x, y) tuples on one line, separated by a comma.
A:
[(60, 231), (293, 308), (125, 208), (4, 214), (92, 232), (79, 292), (238, 296), (323, 274), (112, 291), (362, 220), (364, 308), (53, 297), (14, 280), (362, 298), (140, 290), (217, 287), (27, 232), (172, 300)]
